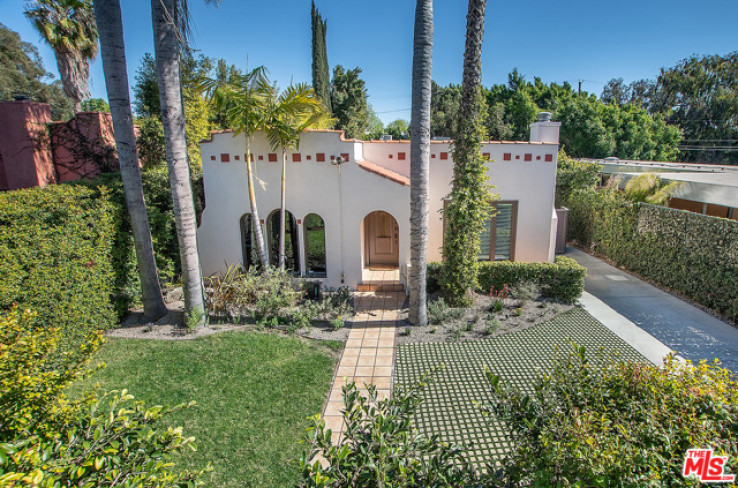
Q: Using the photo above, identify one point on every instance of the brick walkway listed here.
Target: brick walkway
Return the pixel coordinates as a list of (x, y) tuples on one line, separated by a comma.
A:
[(369, 353)]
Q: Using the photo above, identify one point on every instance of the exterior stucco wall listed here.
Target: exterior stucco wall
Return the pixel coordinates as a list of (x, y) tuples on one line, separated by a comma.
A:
[(344, 195)]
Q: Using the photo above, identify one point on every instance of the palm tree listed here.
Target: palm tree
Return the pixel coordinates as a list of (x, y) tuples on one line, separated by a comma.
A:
[(244, 98), (420, 160), (68, 26), (288, 115), (169, 18), (107, 12)]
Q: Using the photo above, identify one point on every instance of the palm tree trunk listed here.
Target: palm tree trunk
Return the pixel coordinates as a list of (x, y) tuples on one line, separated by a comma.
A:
[(472, 77), (167, 49), (282, 223), (420, 160), (110, 28), (258, 234)]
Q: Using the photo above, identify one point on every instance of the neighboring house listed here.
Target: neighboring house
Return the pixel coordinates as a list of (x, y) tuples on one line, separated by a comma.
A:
[(708, 189), (349, 203)]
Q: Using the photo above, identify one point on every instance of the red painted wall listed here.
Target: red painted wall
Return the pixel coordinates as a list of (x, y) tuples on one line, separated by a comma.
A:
[(84, 147), (25, 158)]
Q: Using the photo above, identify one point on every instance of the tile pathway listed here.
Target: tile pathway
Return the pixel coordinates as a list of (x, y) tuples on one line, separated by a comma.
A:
[(369, 353)]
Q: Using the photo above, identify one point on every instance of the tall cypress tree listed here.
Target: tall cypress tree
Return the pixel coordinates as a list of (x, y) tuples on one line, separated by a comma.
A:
[(321, 73)]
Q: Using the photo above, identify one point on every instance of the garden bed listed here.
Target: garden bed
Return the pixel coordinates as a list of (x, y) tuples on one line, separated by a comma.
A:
[(482, 320)]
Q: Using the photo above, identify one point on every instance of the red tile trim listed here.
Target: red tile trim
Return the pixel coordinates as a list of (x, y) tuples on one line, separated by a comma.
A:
[(401, 156), (444, 155), (549, 158), (225, 158), (296, 158), (529, 157), (320, 157), (345, 156), (506, 157), (272, 157)]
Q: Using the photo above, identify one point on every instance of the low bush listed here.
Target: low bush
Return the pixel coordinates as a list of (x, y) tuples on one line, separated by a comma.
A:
[(48, 439), (381, 447), (273, 297), (561, 280), (56, 257), (616, 424)]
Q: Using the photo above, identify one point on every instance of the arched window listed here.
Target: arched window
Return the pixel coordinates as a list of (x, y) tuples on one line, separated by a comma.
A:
[(315, 246), (248, 242), (291, 247)]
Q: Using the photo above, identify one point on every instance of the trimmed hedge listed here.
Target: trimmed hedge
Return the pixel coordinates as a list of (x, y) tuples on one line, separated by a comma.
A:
[(562, 280), (694, 254), (55, 257)]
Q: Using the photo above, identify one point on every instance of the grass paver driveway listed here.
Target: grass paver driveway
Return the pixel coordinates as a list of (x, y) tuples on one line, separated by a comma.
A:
[(451, 401)]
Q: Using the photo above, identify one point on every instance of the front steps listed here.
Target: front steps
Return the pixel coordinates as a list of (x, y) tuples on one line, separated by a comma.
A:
[(383, 286)]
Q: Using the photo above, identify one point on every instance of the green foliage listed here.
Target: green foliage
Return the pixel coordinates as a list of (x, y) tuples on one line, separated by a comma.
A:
[(95, 105), (200, 115), (491, 324), (321, 71), (126, 289), (526, 290), (381, 447), (649, 188), (613, 423), (399, 129), (56, 257), (700, 95), (273, 297), (468, 207), (590, 127), (48, 439), (437, 310), (562, 280), (691, 253), (150, 142), (572, 175), (348, 99), (22, 72)]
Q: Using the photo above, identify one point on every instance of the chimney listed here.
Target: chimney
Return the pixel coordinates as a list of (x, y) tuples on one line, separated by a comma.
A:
[(543, 130)]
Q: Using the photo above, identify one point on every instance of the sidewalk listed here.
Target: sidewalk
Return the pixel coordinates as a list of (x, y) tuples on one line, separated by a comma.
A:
[(693, 333)]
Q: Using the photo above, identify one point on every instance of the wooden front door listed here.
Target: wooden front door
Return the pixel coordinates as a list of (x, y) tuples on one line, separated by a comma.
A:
[(382, 234)]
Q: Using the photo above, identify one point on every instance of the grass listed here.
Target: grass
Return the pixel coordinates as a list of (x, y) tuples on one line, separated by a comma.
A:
[(253, 390)]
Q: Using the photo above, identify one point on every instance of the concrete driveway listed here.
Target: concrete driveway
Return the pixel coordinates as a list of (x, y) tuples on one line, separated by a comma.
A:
[(685, 328)]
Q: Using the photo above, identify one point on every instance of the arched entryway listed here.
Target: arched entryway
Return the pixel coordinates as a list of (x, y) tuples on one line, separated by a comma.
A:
[(381, 241)]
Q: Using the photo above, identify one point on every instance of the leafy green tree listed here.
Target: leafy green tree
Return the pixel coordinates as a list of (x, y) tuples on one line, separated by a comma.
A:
[(398, 129), (95, 105), (349, 101), (321, 70), (22, 72), (445, 103), (376, 127), (469, 201), (700, 96), (68, 26)]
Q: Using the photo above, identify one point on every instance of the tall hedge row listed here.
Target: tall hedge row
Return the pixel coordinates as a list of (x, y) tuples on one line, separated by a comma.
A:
[(694, 254), (56, 256), (66, 251)]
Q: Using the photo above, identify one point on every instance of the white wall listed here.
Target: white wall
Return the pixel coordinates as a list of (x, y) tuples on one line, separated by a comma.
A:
[(344, 195)]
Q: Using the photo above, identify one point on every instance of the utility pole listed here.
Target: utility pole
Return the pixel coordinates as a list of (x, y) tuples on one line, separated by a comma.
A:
[(579, 90)]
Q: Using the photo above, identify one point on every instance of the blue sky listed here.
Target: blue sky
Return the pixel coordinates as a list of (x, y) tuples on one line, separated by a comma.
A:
[(564, 40)]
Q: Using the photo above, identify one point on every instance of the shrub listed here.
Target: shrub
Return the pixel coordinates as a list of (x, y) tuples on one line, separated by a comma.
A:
[(573, 175), (381, 447), (614, 423), (562, 280), (48, 439), (56, 257)]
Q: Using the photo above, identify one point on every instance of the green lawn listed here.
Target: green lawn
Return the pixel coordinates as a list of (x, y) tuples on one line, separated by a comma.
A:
[(253, 390)]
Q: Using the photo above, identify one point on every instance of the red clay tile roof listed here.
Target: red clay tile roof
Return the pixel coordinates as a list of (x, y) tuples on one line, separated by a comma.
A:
[(384, 172)]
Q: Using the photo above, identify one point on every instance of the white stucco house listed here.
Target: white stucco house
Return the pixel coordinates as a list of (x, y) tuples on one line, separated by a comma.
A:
[(349, 203)]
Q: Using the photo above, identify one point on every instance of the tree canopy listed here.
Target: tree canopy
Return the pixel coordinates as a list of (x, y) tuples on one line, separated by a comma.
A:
[(349, 101), (22, 72)]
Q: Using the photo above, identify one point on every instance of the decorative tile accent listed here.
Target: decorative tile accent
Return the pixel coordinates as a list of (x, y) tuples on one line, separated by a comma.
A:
[(507, 157), (345, 156), (296, 158), (272, 157), (444, 156), (225, 158), (212, 158), (401, 156), (549, 158), (528, 157), (320, 157)]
